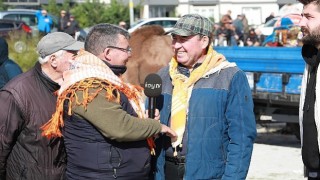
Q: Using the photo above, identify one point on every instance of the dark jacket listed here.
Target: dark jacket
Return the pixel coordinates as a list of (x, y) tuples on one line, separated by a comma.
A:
[(28, 102), (62, 23), (8, 68), (107, 140), (93, 156), (72, 28)]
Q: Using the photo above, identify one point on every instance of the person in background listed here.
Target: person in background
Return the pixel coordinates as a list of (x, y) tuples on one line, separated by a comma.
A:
[(72, 26), (252, 39), (27, 102), (123, 24), (44, 22), (63, 20), (216, 27), (271, 16), (105, 128), (8, 68), (309, 97), (246, 27), (222, 34), (226, 33), (238, 28), (207, 101), (260, 36), (229, 13)]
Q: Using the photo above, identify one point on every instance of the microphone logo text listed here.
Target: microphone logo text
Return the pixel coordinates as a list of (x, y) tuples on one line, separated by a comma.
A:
[(152, 86)]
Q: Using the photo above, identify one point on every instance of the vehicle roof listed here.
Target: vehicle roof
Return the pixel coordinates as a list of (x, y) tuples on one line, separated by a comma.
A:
[(16, 11), (10, 20), (157, 18), (20, 11), (141, 22), (30, 10), (174, 18), (25, 11)]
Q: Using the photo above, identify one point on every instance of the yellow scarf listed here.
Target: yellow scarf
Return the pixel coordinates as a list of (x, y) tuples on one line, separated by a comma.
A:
[(182, 88), (88, 71)]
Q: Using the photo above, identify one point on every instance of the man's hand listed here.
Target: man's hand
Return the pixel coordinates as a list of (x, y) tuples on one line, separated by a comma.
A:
[(169, 132), (156, 114)]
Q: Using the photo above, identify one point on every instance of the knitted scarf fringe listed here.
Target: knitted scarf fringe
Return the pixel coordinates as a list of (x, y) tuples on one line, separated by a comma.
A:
[(53, 127)]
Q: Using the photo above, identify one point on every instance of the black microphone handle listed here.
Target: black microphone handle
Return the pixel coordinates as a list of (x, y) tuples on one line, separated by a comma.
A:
[(151, 107)]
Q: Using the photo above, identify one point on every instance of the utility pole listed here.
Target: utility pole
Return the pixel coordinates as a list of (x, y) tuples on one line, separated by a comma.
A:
[(131, 12)]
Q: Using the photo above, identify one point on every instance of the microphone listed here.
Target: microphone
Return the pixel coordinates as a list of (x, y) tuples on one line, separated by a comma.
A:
[(152, 89)]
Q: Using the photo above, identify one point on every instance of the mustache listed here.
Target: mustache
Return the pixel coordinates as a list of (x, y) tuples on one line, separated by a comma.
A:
[(304, 30)]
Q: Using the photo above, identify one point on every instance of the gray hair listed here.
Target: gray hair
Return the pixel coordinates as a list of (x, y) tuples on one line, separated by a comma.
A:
[(46, 59), (103, 35)]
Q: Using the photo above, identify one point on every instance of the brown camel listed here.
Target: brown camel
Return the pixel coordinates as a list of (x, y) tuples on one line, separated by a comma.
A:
[(151, 50)]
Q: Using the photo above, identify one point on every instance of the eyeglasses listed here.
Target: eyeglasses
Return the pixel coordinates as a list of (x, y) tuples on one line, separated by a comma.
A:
[(127, 50)]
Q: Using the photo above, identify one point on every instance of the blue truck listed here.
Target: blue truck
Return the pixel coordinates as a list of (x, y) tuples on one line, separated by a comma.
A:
[(274, 75)]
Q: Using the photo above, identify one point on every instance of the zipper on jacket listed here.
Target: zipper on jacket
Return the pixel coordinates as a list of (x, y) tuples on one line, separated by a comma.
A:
[(114, 173), (186, 159)]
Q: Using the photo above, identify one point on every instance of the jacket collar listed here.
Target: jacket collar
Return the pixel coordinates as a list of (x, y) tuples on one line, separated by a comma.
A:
[(310, 54), (51, 85)]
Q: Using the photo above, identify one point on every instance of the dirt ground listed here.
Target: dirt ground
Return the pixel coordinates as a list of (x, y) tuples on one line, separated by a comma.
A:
[(276, 156)]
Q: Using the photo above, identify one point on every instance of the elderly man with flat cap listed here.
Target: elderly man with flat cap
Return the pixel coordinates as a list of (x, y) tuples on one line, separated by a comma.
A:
[(207, 101), (27, 102)]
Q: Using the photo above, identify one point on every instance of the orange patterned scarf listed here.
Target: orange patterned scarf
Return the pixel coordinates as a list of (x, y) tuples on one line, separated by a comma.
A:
[(89, 72)]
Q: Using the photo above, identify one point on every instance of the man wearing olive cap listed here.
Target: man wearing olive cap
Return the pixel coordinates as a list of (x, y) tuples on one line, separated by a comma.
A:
[(27, 102), (207, 101)]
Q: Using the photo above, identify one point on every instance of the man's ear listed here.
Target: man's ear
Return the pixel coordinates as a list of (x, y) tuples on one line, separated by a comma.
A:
[(106, 54), (205, 42), (53, 61)]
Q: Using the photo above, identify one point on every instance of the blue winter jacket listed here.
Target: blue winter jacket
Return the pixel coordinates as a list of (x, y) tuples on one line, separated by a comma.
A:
[(221, 126), (44, 22), (8, 68)]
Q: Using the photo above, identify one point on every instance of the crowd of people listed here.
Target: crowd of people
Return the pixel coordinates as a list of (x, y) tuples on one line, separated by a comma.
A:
[(237, 32), (229, 32), (66, 23)]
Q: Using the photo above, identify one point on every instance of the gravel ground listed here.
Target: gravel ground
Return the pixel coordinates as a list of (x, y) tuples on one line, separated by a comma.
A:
[(276, 156)]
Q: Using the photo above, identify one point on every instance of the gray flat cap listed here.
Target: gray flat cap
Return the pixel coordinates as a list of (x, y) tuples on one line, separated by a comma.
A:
[(56, 41)]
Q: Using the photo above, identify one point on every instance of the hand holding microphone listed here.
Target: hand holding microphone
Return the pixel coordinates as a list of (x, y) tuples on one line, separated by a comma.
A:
[(152, 89), (156, 114)]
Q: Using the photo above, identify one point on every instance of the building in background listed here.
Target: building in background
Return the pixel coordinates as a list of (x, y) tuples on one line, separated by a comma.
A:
[(255, 10)]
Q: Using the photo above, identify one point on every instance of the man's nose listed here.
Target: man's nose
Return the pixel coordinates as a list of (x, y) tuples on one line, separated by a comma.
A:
[(176, 44), (302, 22)]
